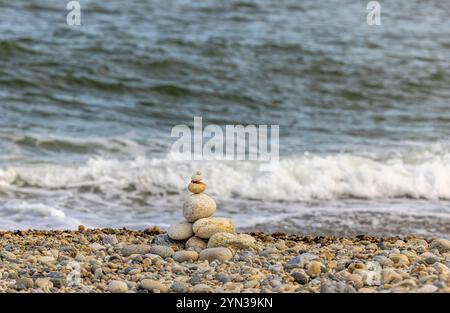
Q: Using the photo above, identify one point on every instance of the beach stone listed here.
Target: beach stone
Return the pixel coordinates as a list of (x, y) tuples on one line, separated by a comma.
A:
[(135, 249), (399, 259), (117, 286), (233, 287), (98, 273), (165, 240), (268, 251), (196, 188), (154, 286), (236, 241), (389, 276), (253, 283), (301, 260), (46, 260), (370, 277), (110, 240), (383, 260), (198, 206), (44, 284), (276, 268), (223, 278), (314, 268), (24, 283), (178, 269), (58, 279), (442, 245), (162, 251), (300, 277), (429, 258), (180, 287), (356, 266), (96, 246), (366, 290), (244, 255), (428, 288), (336, 287), (419, 245), (355, 280), (10, 257), (180, 231), (206, 227), (202, 288), (195, 279), (441, 268), (185, 255), (219, 253), (275, 282), (196, 244), (405, 285)]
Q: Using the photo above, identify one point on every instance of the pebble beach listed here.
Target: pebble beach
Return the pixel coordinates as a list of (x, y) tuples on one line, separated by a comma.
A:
[(121, 260)]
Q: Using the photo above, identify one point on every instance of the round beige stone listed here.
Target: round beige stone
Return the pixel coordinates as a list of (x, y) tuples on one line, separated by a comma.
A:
[(206, 227), (180, 231), (117, 286), (196, 244), (185, 255), (219, 253), (236, 241), (198, 206), (154, 286)]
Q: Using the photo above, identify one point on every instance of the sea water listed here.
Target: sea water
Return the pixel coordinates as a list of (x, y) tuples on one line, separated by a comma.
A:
[(86, 113)]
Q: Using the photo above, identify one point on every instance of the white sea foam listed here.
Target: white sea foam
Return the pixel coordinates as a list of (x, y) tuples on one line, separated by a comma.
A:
[(312, 188), (17, 214), (419, 174)]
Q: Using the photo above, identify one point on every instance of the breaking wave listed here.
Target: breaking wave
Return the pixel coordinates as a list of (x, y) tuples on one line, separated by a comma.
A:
[(417, 174)]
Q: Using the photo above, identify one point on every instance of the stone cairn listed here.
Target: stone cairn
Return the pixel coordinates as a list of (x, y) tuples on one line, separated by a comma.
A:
[(202, 235)]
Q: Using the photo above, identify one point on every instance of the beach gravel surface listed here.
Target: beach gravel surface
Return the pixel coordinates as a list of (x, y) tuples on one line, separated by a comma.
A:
[(121, 260)]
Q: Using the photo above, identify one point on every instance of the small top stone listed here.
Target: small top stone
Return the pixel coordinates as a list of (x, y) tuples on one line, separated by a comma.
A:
[(197, 177), (196, 185)]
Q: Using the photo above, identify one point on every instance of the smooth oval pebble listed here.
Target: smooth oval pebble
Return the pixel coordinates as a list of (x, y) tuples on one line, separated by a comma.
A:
[(441, 244), (44, 284), (154, 285), (162, 251), (180, 287), (202, 288), (165, 240), (197, 244), (110, 240), (206, 227), (197, 188), (135, 249), (117, 286), (180, 231), (220, 253), (185, 255), (236, 241), (198, 206)]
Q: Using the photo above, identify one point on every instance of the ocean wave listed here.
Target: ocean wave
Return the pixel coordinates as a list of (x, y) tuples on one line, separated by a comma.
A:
[(417, 174), (19, 214)]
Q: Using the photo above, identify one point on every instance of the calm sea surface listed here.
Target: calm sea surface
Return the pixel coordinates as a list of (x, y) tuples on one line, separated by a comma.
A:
[(364, 113)]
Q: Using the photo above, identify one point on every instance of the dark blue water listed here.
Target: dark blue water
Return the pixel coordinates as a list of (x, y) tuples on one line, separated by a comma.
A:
[(86, 112)]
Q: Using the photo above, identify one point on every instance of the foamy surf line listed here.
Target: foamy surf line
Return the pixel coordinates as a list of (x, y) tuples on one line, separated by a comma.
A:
[(420, 174), (319, 193)]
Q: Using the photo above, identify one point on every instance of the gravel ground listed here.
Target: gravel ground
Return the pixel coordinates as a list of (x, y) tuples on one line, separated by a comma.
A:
[(121, 260)]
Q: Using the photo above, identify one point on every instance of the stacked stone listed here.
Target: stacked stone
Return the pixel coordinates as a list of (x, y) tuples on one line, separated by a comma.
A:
[(212, 237)]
